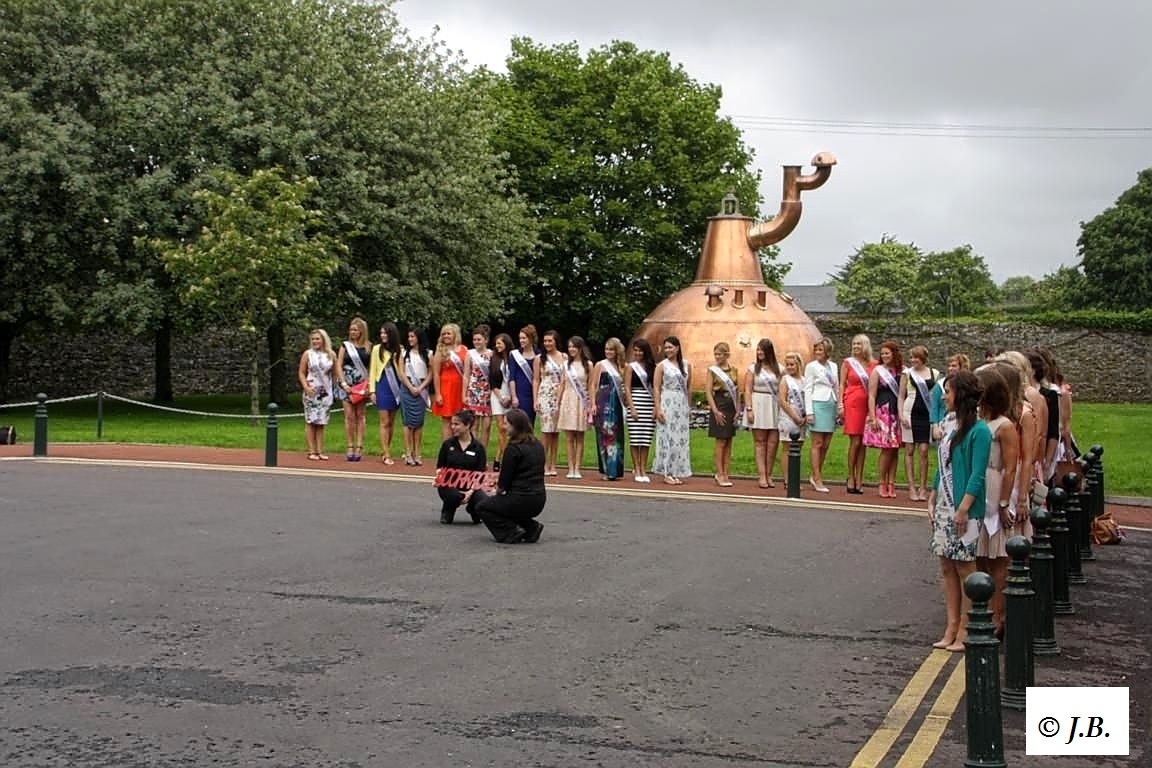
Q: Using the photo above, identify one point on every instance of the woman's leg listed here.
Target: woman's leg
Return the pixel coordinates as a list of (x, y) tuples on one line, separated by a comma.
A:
[(551, 441), (922, 449), (856, 455), (997, 568), (913, 488), (770, 454), (785, 460), (349, 428), (501, 438), (319, 439), (718, 460), (361, 426), (817, 450), (951, 585), (445, 427), (576, 459), (760, 446), (643, 465), (310, 438), (483, 430), (963, 571), (417, 443), (726, 461)]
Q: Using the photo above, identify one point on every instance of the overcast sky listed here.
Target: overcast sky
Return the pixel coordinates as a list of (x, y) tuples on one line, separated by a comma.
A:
[(789, 69)]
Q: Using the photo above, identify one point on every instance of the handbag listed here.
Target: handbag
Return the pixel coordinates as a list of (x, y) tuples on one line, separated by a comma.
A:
[(357, 393)]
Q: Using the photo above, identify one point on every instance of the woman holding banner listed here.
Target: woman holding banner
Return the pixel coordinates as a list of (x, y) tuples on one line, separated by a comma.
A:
[(511, 512), (464, 452)]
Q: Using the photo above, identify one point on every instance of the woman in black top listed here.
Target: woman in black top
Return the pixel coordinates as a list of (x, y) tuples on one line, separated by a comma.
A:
[(461, 451), (520, 494)]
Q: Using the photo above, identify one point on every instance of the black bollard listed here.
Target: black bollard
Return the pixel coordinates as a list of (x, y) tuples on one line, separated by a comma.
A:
[(1097, 450), (1086, 499), (1076, 522), (100, 415), (1043, 622), (1019, 664), (271, 436), (982, 678), (1061, 600), (40, 427), (793, 478), (1096, 470)]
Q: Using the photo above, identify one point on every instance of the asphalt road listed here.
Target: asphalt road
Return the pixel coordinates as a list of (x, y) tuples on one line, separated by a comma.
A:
[(163, 617)]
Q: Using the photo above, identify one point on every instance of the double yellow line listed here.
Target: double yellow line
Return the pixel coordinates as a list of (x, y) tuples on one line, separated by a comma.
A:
[(924, 742)]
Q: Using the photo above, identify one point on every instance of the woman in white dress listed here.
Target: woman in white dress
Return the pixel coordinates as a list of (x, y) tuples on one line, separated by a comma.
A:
[(791, 403), (501, 381), (670, 393), (315, 374), (761, 390)]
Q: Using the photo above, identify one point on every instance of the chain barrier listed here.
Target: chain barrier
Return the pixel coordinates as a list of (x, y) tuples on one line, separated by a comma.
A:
[(92, 396), (151, 405)]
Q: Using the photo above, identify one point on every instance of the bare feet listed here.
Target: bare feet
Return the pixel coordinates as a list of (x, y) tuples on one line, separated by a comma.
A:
[(958, 646), (948, 639)]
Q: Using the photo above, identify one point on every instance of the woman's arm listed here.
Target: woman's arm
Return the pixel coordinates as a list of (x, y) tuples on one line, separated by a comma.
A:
[(979, 441), (435, 371), (749, 382), (1010, 453), (841, 386), (593, 384), (901, 397), (338, 369), (873, 384), (628, 392), (657, 384), (537, 366), (302, 375), (810, 390), (466, 378)]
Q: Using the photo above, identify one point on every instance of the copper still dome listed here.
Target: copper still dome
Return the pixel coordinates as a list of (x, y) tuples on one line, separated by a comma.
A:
[(729, 300)]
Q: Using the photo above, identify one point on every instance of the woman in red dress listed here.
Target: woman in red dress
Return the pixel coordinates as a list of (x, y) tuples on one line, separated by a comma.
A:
[(854, 375), (448, 377)]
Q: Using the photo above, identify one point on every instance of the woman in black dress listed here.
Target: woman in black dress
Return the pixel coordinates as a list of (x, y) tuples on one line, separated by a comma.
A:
[(461, 451), (520, 496)]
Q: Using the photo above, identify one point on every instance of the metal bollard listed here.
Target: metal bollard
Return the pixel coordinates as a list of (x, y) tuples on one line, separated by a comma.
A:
[(1043, 622), (1019, 662), (271, 436), (982, 678), (100, 415), (793, 478), (1096, 463), (1097, 450), (40, 427), (1061, 600), (1085, 497), (1076, 523)]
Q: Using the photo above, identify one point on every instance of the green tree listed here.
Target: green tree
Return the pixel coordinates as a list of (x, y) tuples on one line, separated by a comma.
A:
[(1065, 288), (623, 157), (1019, 290), (258, 258), (951, 283), (1116, 250), (879, 278)]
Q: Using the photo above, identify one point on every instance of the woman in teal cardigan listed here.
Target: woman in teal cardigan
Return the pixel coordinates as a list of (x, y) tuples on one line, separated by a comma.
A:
[(957, 498)]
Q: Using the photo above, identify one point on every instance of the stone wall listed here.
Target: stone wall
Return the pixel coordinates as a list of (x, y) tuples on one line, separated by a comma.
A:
[(1103, 366)]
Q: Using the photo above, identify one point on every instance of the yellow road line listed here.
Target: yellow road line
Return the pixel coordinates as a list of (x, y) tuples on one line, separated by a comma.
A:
[(924, 742), (901, 712)]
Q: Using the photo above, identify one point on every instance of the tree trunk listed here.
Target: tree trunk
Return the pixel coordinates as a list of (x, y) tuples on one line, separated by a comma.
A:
[(254, 378), (277, 365), (8, 333), (162, 342)]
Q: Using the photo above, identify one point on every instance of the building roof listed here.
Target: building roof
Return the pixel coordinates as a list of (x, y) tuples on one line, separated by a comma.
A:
[(815, 299)]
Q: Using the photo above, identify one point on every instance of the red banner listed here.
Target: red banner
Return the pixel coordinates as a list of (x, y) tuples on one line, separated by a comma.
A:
[(464, 479)]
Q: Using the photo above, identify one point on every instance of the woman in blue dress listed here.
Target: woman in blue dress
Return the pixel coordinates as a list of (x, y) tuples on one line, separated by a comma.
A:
[(606, 387), (520, 371), (384, 377)]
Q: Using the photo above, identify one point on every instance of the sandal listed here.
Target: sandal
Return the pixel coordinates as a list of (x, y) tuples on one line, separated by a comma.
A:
[(388, 461), (323, 456), (313, 457)]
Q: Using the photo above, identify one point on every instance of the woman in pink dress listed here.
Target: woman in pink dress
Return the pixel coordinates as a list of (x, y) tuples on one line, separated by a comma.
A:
[(883, 427)]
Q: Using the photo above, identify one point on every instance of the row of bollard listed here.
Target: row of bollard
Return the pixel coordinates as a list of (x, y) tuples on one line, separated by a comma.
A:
[(40, 429), (1036, 591)]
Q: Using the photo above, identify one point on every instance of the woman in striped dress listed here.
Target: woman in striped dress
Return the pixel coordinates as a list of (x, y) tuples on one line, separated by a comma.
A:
[(639, 407)]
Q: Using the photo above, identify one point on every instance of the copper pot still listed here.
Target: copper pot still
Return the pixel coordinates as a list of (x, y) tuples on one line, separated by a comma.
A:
[(729, 300)]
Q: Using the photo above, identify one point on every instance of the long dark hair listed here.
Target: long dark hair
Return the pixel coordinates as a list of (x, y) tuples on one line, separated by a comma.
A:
[(966, 392), (393, 345), (421, 350), (679, 351), (499, 360), (582, 350), (521, 426), (649, 362), (769, 350)]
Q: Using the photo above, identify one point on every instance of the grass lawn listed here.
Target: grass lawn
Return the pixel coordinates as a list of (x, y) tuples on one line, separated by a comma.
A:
[(1119, 428)]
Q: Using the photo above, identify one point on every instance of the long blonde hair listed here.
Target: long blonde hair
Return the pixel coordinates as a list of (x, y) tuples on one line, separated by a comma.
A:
[(618, 347), (364, 341), (327, 348), (442, 349)]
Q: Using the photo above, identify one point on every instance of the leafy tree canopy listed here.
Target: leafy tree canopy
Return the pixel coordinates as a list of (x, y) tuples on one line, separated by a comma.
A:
[(623, 157), (952, 283), (1116, 250), (876, 278)]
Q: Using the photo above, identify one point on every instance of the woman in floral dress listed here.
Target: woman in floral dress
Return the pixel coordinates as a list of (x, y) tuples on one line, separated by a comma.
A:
[(882, 429), (670, 392), (605, 396), (548, 384), (477, 393), (315, 375)]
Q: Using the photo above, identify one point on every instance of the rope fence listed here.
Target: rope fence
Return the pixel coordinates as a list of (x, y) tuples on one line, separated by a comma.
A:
[(40, 427)]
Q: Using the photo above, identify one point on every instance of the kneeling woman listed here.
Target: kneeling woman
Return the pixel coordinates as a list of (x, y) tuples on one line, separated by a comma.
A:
[(520, 494), (461, 451)]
